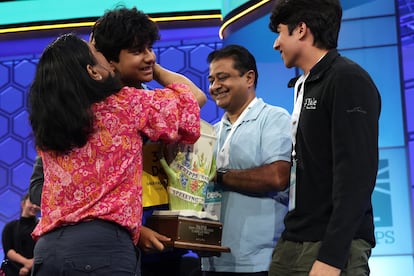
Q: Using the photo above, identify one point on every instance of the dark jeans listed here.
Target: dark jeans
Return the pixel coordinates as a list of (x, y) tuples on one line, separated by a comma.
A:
[(208, 273), (91, 248), (296, 258)]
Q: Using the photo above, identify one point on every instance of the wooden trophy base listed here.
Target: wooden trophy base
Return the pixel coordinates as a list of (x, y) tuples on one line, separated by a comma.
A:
[(200, 235)]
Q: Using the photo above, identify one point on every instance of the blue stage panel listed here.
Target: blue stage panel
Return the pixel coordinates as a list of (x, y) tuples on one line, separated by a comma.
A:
[(368, 32), (382, 64), (391, 266), (366, 8), (391, 203)]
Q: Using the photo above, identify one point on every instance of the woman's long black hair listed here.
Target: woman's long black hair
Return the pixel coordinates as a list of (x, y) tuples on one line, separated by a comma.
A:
[(62, 93)]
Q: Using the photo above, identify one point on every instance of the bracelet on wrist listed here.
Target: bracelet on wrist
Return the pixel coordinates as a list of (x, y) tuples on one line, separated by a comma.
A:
[(219, 175)]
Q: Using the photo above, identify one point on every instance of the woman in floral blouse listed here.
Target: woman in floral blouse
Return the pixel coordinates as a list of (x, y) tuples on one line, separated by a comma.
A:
[(89, 132)]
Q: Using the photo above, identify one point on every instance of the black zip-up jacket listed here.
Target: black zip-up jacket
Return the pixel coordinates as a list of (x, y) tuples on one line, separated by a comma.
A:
[(337, 159)]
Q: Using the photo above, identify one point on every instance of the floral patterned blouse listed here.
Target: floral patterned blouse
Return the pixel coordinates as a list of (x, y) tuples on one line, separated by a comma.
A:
[(102, 180)]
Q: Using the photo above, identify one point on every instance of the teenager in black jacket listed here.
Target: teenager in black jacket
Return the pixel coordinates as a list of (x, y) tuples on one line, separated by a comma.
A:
[(335, 146)]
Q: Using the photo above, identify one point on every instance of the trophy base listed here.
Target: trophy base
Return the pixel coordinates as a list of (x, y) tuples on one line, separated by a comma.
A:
[(200, 235)]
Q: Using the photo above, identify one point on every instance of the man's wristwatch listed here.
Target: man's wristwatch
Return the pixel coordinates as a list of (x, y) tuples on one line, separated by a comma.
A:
[(219, 175)]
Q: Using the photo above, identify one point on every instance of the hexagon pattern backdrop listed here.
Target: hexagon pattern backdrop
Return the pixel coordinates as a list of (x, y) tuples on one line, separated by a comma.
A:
[(16, 144), (17, 152)]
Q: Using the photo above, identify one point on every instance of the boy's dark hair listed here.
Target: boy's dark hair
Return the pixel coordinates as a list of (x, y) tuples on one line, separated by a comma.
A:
[(123, 28), (24, 197), (322, 17), (243, 59)]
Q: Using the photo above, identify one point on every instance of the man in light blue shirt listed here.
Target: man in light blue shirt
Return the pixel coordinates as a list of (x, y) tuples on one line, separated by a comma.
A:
[(253, 160)]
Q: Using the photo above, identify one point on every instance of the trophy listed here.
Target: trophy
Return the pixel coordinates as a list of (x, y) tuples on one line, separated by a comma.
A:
[(189, 174)]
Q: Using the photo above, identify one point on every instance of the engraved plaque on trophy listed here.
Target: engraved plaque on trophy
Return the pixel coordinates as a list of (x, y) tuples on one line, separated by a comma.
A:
[(187, 231), (189, 173)]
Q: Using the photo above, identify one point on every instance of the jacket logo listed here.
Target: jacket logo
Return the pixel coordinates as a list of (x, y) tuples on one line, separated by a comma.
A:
[(357, 109), (310, 103)]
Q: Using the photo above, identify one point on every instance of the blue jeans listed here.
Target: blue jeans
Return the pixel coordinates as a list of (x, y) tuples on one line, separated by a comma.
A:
[(90, 248)]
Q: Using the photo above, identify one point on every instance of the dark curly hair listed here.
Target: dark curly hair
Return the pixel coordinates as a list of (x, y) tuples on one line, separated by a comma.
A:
[(62, 93), (123, 28)]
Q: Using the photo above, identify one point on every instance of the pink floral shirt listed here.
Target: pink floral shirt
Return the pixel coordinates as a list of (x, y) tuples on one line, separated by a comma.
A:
[(102, 180)]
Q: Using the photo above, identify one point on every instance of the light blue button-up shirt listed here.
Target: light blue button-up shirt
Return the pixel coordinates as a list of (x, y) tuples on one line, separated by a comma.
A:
[(253, 224)]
